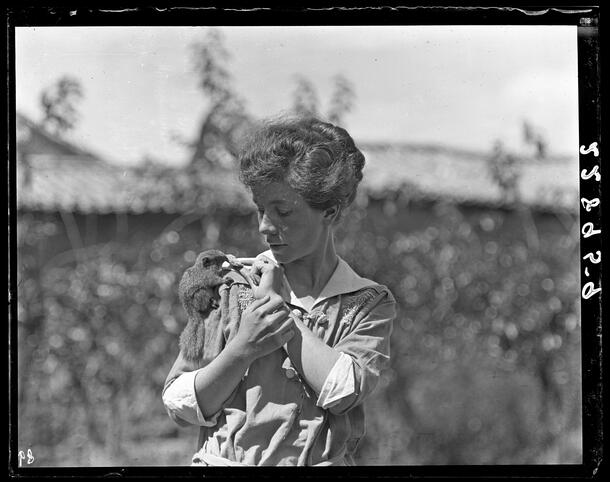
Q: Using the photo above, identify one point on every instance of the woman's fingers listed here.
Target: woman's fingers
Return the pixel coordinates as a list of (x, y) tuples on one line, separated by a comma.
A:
[(246, 261), (256, 304), (258, 264), (265, 260), (270, 306), (253, 279), (279, 328), (231, 262), (281, 331), (286, 335), (256, 270), (263, 264), (276, 318), (286, 330), (275, 303)]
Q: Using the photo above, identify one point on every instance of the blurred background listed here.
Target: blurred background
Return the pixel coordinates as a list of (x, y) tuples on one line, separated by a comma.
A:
[(468, 212)]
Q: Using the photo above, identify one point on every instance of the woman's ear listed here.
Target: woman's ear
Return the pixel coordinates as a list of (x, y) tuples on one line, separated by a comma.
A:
[(332, 214)]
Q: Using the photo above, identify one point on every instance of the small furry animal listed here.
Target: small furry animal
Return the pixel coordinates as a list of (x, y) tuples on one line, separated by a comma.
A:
[(198, 291)]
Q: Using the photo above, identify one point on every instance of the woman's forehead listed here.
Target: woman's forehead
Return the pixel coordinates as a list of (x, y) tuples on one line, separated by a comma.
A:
[(275, 193)]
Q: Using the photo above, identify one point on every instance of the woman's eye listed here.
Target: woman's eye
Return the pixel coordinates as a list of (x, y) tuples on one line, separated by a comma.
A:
[(283, 213)]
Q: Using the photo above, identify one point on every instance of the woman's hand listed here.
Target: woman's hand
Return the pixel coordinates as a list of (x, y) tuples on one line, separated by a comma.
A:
[(271, 277), (267, 276), (264, 327)]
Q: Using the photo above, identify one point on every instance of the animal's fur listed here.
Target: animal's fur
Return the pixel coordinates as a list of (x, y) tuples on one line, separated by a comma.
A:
[(198, 291)]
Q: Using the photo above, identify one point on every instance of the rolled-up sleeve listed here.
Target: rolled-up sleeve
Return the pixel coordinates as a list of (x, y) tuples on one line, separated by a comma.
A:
[(181, 402), (179, 396), (368, 344), (339, 384)]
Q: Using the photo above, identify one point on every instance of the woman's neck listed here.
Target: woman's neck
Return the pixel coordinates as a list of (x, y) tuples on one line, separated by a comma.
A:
[(308, 276)]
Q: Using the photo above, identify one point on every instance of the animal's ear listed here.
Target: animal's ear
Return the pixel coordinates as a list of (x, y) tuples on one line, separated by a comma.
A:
[(210, 257), (203, 259)]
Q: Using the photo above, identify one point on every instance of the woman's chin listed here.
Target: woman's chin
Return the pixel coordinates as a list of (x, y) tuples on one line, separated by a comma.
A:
[(280, 253)]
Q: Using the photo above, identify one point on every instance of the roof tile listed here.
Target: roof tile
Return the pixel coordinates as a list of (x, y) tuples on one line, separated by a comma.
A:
[(87, 184)]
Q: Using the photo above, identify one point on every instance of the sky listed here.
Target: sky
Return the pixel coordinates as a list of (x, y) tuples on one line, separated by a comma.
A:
[(460, 86)]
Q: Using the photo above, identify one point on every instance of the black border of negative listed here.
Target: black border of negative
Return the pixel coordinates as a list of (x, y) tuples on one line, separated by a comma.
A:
[(586, 18)]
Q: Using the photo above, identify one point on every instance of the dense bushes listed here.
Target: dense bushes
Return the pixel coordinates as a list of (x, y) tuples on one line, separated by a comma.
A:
[(485, 365), (486, 362)]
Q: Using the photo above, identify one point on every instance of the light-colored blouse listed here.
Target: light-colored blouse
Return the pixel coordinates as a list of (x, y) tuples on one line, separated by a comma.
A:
[(273, 417)]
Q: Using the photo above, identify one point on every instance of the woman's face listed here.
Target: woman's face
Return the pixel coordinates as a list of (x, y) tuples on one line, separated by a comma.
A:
[(292, 229)]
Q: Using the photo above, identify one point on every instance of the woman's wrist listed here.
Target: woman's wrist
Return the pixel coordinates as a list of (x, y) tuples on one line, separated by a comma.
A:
[(240, 352), (312, 358), (216, 381)]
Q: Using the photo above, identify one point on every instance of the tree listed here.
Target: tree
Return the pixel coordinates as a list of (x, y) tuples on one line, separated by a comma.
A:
[(306, 99), (535, 140), (504, 167), (505, 172), (226, 116), (558, 306), (58, 104), (342, 100)]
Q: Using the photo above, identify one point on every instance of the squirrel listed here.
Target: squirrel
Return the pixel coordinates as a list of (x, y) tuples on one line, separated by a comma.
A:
[(198, 292)]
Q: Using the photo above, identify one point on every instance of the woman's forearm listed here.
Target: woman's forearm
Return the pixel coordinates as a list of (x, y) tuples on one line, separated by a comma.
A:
[(216, 381), (264, 327), (312, 358)]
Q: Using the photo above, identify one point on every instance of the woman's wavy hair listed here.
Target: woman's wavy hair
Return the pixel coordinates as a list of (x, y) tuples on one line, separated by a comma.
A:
[(317, 159)]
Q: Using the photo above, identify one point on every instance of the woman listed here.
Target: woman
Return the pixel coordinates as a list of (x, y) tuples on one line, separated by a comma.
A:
[(286, 383)]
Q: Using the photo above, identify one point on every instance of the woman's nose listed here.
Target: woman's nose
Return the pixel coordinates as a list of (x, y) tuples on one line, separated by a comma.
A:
[(265, 226)]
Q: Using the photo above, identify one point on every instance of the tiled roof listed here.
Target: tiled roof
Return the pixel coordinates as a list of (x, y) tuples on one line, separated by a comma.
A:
[(74, 184), (69, 183), (463, 176), (81, 182), (33, 139), (54, 175)]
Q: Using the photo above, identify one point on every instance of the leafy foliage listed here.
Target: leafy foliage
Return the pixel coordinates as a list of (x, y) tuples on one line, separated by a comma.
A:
[(58, 105), (305, 97), (226, 117), (505, 172), (342, 100), (306, 100), (485, 345)]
